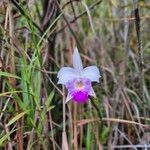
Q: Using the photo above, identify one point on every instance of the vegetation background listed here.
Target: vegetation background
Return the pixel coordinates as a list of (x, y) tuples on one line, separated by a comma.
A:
[(37, 38)]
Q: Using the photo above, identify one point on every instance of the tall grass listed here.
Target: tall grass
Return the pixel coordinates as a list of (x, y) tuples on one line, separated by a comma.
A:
[(37, 38)]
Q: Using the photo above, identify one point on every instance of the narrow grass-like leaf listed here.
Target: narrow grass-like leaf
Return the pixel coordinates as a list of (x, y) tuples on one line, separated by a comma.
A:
[(25, 83), (89, 16), (10, 92), (6, 136), (6, 74), (14, 119), (49, 108), (51, 95), (88, 137)]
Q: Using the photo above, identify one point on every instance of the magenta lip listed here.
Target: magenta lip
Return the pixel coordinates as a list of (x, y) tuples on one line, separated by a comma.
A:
[(80, 97)]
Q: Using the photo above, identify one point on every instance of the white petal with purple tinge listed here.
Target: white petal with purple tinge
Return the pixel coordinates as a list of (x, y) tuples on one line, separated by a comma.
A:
[(65, 74), (68, 98), (92, 93), (92, 73), (77, 62)]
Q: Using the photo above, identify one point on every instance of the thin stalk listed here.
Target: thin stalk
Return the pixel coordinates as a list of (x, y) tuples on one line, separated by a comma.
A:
[(75, 143), (99, 114)]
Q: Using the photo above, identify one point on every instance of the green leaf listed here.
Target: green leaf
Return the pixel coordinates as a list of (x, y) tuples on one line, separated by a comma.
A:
[(14, 119), (104, 134), (6, 74), (6, 136), (50, 97), (10, 92), (88, 137), (49, 108)]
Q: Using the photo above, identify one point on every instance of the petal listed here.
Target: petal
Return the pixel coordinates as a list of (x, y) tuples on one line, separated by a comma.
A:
[(92, 73), (68, 98), (65, 74), (92, 93), (77, 62)]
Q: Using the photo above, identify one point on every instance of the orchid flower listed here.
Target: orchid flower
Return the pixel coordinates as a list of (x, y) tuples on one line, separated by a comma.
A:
[(78, 80)]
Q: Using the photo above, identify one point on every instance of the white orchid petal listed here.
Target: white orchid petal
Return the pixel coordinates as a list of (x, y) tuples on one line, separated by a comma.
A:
[(68, 98), (92, 73), (77, 62), (65, 74), (92, 93)]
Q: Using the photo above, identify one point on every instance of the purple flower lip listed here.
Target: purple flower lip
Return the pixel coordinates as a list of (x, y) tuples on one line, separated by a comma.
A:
[(80, 97), (78, 80)]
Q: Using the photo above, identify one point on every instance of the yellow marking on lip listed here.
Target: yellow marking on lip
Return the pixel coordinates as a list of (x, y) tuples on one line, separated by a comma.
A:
[(79, 85)]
